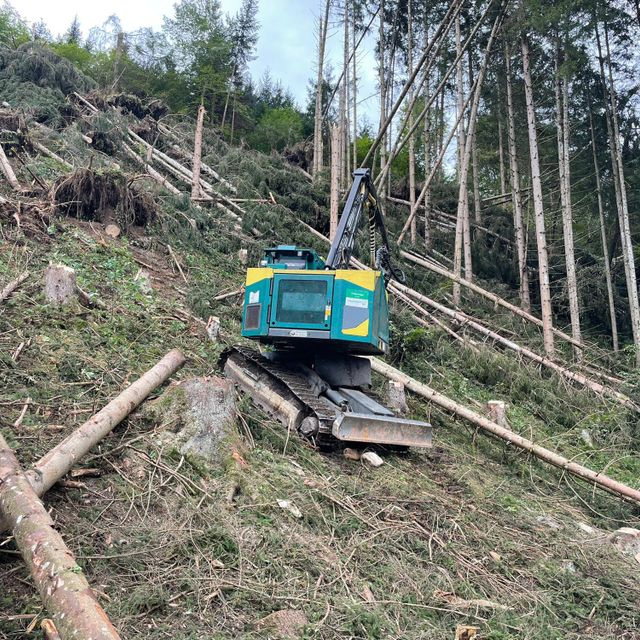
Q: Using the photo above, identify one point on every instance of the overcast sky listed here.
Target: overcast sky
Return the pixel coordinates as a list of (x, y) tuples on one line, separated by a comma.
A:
[(287, 44)]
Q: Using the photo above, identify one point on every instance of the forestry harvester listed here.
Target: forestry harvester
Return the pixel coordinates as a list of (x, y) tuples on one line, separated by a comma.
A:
[(320, 320)]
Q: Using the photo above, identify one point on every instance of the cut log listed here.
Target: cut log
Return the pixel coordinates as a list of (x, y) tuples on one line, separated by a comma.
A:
[(47, 152), (50, 468), (598, 479), (8, 171), (13, 285), (59, 284), (63, 587)]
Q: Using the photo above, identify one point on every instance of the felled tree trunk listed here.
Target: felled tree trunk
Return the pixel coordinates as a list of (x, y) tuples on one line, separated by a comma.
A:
[(63, 588), (49, 469)]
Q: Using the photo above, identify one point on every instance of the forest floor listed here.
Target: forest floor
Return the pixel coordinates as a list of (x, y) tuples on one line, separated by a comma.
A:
[(469, 532)]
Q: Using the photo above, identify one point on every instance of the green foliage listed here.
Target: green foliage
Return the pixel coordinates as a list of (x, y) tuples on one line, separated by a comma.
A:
[(277, 129), (13, 30)]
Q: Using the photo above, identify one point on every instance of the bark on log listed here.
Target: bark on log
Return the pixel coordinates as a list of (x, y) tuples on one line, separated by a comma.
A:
[(63, 587), (151, 171), (13, 285), (598, 479), (8, 171), (196, 190), (47, 152), (50, 468)]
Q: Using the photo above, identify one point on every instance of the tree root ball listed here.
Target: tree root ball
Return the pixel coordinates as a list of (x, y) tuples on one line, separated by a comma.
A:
[(100, 195)]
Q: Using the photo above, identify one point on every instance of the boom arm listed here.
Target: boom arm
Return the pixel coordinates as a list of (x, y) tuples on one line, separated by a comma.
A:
[(362, 195)]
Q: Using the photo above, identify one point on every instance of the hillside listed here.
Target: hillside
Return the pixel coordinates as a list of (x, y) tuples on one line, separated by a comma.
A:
[(471, 531)]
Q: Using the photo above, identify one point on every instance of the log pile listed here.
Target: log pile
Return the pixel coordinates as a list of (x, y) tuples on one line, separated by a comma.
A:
[(62, 585)]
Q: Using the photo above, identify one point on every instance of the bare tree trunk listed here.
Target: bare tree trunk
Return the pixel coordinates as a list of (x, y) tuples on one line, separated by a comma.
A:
[(412, 141), (63, 587), (501, 168), (427, 143), (515, 190), (623, 209), (317, 123), (382, 83), (196, 190), (543, 260), (592, 477), (335, 180), (354, 91), (49, 469), (343, 105), (603, 235), (8, 171), (474, 156), (562, 127), (463, 200), (463, 203)]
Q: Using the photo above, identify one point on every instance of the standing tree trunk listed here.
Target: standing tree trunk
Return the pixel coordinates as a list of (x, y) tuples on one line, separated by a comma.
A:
[(336, 165), (603, 235), (382, 81), (562, 120), (536, 184), (474, 156), (427, 142), (63, 588), (623, 208), (196, 190), (318, 150), (344, 107), (412, 140), (501, 169), (463, 200), (515, 190)]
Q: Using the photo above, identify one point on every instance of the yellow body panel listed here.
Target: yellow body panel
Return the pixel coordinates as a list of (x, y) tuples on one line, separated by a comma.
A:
[(256, 274), (361, 330), (364, 279)]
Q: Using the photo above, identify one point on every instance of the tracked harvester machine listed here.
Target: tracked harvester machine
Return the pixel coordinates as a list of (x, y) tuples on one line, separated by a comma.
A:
[(321, 319)]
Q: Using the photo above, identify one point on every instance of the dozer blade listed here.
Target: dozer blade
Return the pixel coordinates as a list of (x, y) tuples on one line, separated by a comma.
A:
[(375, 429)]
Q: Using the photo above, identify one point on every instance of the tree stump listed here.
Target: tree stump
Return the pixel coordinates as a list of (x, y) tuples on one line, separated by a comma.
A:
[(396, 397), (497, 412), (213, 328), (199, 417), (59, 284)]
